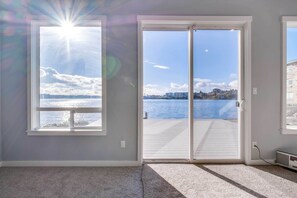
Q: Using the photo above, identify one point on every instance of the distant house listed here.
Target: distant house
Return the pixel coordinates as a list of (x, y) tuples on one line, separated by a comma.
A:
[(292, 82)]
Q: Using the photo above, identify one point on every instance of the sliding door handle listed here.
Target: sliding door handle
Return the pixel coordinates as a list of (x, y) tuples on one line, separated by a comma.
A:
[(240, 104)]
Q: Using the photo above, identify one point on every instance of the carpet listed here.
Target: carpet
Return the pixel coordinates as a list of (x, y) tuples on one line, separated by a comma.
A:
[(49, 182), (149, 181), (188, 180)]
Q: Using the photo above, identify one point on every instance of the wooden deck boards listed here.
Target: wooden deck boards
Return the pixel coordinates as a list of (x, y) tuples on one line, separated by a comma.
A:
[(169, 139)]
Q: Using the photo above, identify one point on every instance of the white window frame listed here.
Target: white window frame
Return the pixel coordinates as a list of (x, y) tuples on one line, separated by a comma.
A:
[(34, 84), (183, 22), (285, 21)]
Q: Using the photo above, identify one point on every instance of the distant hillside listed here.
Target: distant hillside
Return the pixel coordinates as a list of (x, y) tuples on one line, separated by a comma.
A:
[(215, 94)]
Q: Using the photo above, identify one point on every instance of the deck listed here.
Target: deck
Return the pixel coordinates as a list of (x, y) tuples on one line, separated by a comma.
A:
[(169, 139)]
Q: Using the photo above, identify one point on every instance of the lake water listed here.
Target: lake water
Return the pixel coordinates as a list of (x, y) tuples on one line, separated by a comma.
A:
[(203, 109), (155, 108), (61, 118)]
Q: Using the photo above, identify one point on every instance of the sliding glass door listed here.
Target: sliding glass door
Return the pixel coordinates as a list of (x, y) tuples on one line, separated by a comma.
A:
[(192, 93), (216, 94), (165, 95)]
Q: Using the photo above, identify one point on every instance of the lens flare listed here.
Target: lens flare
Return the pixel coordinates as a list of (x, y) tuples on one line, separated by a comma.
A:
[(67, 29)]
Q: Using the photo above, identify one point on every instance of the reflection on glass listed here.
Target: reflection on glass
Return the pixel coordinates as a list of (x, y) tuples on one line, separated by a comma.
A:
[(54, 119), (87, 119), (165, 127), (291, 117), (216, 58), (70, 68)]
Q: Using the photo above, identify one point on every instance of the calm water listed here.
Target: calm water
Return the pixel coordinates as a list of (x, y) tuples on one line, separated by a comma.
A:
[(203, 109), (61, 118), (156, 109)]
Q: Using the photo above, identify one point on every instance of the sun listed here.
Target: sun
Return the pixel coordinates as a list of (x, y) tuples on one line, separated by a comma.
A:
[(67, 29)]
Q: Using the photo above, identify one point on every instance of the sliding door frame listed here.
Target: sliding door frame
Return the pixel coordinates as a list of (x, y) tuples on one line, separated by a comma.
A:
[(186, 23)]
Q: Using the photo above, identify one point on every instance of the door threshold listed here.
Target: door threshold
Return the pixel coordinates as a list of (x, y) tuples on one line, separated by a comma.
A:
[(200, 161), (159, 161)]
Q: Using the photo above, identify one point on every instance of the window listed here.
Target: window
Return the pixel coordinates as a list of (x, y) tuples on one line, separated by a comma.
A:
[(67, 94), (289, 106)]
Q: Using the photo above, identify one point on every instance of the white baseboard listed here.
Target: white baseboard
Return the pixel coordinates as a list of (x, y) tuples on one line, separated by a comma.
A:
[(93, 163), (69, 163), (260, 162)]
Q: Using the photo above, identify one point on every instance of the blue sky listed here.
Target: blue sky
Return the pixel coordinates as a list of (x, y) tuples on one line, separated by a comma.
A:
[(70, 60), (74, 51), (166, 60), (291, 44)]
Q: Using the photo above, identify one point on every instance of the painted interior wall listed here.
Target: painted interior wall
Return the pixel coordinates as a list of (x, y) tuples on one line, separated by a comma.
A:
[(122, 84), (0, 92)]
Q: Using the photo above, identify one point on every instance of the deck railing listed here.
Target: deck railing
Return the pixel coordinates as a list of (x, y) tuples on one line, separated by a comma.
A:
[(72, 111)]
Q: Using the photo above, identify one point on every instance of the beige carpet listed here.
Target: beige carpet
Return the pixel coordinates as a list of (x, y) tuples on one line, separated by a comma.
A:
[(156, 181), (187, 180)]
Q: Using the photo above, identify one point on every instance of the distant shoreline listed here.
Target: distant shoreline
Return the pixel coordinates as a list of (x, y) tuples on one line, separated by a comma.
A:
[(215, 94), (47, 96)]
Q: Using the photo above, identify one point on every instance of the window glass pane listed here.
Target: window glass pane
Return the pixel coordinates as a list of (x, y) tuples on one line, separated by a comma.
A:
[(54, 119), (216, 88), (291, 119), (165, 95), (70, 67), (70, 64), (87, 120), (68, 102)]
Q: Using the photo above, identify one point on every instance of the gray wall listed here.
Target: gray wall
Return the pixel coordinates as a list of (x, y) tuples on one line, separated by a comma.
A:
[(0, 92), (122, 97)]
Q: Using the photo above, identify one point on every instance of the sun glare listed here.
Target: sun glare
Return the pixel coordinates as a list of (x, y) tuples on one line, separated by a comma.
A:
[(67, 29)]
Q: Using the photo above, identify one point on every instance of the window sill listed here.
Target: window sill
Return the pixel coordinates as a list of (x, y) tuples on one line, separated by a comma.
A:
[(289, 131), (65, 132)]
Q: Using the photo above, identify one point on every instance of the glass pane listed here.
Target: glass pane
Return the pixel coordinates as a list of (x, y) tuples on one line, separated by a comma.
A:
[(87, 120), (70, 67), (291, 120), (54, 119), (66, 102), (216, 58), (165, 127)]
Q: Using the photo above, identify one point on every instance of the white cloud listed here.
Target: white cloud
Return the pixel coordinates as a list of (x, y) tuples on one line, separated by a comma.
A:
[(200, 84), (233, 76), (178, 87), (233, 84), (204, 85), (161, 66), (149, 62), (156, 65), (150, 89), (207, 85), (54, 83), (151, 85), (201, 80)]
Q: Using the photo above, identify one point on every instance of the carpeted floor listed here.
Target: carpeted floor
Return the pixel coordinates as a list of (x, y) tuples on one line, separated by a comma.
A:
[(150, 181), (188, 180), (70, 182)]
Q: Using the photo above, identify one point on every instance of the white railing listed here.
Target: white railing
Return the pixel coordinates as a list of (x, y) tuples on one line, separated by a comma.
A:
[(72, 111)]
